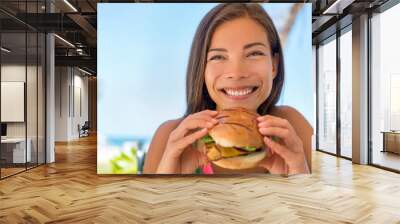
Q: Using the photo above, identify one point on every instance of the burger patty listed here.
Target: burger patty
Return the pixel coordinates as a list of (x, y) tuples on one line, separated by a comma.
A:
[(216, 152)]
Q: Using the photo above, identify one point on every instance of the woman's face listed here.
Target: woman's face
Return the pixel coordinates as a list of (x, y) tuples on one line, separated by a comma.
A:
[(240, 68)]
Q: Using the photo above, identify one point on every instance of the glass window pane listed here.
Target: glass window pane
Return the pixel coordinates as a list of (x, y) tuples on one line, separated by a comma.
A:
[(31, 101), (31, 87), (385, 86), (14, 153), (346, 94), (327, 97), (314, 79), (22, 89), (41, 98)]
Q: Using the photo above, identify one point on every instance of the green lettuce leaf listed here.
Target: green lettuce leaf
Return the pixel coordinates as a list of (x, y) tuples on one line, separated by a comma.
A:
[(207, 139), (249, 148)]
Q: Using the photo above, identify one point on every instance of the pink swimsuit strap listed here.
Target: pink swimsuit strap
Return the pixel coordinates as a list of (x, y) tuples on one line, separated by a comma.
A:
[(207, 169)]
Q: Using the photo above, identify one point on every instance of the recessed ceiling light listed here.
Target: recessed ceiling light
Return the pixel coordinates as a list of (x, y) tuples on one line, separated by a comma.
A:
[(70, 5), (338, 6), (65, 41), (84, 71), (5, 50)]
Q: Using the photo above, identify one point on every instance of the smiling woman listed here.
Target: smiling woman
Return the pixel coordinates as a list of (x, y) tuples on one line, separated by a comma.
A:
[(236, 61), (240, 71)]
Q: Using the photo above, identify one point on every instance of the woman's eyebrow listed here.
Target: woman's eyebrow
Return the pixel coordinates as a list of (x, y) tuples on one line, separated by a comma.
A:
[(253, 44), (217, 49), (245, 46)]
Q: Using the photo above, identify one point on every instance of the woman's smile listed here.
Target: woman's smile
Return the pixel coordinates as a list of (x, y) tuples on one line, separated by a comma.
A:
[(238, 93)]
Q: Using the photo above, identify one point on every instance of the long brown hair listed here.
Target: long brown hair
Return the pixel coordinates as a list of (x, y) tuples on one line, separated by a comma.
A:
[(197, 97)]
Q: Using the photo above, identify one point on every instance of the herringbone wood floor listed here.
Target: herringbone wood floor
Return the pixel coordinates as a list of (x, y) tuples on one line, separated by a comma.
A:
[(70, 191)]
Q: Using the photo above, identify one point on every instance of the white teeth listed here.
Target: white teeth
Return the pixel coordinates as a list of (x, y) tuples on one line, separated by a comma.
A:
[(236, 92)]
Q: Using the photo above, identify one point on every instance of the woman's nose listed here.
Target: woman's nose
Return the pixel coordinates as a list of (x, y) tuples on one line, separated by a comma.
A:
[(237, 70)]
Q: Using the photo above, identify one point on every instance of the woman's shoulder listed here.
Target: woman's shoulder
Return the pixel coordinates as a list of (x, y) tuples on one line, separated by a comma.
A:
[(169, 125), (293, 116), (157, 145)]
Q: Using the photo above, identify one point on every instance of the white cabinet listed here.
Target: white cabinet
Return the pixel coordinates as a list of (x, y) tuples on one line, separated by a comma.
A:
[(18, 149)]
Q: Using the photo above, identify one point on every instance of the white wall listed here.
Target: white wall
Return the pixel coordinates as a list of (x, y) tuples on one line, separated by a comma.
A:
[(80, 84), (70, 83), (61, 103)]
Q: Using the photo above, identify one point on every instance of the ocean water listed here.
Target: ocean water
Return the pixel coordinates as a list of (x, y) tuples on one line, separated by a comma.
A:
[(121, 140)]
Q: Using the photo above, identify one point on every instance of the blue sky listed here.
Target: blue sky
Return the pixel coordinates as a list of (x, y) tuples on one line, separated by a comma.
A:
[(143, 50)]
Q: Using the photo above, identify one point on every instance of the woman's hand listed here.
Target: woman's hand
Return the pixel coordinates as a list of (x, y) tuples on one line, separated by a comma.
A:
[(179, 155), (287, 153)]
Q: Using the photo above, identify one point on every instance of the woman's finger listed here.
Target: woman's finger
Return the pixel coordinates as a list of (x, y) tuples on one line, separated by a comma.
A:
[(274, 164), (267, 163), (203, 117), (212, 112), (282, 133), (188, 140), (282, 151), (191, 125), (267, 117), (272, 121), (205, 114), (178, 147)]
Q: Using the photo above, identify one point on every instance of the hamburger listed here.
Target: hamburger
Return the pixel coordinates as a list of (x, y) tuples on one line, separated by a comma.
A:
[(234, 143)]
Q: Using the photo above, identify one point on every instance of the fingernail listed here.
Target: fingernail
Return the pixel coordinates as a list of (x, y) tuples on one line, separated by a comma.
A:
[(209, 124), (215, 120)]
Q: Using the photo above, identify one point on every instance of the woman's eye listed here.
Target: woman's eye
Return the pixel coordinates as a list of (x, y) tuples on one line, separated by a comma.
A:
[(256, 53), (217, 57)]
